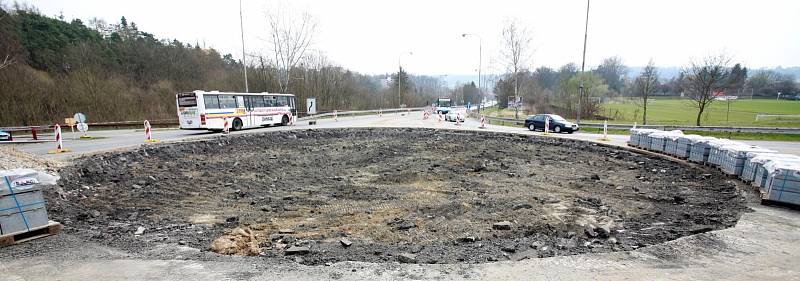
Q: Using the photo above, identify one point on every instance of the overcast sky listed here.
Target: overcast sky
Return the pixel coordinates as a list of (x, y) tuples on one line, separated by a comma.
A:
[(368, 36)]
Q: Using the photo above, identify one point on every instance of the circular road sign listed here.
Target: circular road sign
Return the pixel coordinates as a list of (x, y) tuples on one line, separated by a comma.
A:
[(82, 127), (79, 117)]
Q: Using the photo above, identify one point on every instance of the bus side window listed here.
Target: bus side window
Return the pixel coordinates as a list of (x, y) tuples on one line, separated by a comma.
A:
[(291, 102), (211, 101), (269, 101), (282, 101), (227, 101), (239, 101), (257, 101)]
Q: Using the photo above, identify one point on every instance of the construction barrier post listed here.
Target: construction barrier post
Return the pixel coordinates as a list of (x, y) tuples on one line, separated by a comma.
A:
[(440, 116), (33, 132), (225, 126), (148, 133), (334, 116), (59, 141), (546, 130), (483, 122), (605, 131), (458, 119)]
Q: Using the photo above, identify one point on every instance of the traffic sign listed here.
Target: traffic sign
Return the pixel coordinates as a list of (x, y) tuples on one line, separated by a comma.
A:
[(311, 104), (80, 118), (82, 127)]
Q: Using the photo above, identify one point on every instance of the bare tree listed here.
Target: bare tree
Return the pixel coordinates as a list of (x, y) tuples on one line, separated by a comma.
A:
[(516, 52), (703, 79), (290, 38), (645, 85)]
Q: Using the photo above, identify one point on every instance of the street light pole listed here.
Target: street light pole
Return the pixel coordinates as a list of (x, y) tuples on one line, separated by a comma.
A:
[(400, 69), (583, 63), (244, 63), (480, 58)]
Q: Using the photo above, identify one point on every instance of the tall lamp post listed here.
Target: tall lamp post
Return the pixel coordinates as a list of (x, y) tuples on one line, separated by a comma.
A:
[(480, 55), (244, 63), (583, 62), (400, 69)]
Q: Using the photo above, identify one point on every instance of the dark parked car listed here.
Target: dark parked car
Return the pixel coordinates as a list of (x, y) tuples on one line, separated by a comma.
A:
[(557, 123)]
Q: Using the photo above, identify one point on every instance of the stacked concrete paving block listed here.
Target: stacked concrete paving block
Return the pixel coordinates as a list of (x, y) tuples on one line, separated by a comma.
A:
[(22, 205), (754, 171), (719, 149), (639, 137), (684, 144), (783, 182), (732, 161), (658, 140), (671, 143), (776, 175)]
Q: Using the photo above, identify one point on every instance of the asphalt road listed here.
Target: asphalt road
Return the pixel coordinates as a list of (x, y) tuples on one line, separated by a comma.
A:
[(762, 246), (119, 139)]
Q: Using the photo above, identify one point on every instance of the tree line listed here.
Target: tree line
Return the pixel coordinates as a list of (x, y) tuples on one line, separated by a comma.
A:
[(548, 90), (51, 68)]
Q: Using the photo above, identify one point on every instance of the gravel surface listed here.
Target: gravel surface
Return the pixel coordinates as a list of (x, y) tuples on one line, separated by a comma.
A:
[(385, 195)]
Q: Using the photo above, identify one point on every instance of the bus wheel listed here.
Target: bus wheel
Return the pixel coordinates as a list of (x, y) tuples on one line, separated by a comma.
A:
[(285, 120), (237, 124)]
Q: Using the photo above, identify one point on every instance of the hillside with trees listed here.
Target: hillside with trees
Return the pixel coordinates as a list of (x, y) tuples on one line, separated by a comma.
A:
[(51, 68)]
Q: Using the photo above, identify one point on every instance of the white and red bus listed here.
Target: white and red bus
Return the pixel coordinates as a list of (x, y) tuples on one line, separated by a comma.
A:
[(201, 110)]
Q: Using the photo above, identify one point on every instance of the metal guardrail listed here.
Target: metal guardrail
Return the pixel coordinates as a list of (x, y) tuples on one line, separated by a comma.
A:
[(358, 112), (35, 131), (772, 130)]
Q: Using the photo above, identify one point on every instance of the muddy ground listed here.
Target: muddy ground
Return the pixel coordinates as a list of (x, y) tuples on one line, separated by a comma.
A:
[(376, 195)]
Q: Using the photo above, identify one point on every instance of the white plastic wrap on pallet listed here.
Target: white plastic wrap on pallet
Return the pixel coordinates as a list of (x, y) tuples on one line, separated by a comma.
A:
[(717, 150), (685, 142), (671, 144), (22, 206), (783, 182), (701, 149), (733, 160), (756, 160), (639, 137), (658, 140)]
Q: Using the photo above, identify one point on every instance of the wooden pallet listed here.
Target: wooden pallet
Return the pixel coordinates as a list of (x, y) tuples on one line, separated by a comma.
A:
[(51, 228)]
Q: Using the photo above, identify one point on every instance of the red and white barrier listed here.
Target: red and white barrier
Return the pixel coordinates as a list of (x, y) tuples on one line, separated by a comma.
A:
[(483, 122), (440, 116), (226, 127), (59, 141), (458, 119), (334, 116), (59, 138), (147, 133)]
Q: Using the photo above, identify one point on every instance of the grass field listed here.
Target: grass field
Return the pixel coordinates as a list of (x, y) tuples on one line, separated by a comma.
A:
[(681, 112), (674, 111)]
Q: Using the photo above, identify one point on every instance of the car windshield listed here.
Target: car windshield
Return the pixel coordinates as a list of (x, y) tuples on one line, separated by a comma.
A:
[(557, 118)]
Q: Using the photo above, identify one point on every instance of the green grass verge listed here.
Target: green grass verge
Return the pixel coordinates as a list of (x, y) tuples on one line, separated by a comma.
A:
[(661, 111)]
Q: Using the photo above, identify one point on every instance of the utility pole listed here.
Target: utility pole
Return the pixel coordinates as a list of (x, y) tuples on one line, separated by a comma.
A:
[(583, 63), (480, 58), (244, 57)]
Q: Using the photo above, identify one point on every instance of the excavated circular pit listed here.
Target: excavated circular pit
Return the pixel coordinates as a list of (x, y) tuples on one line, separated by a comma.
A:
[(378, 195)]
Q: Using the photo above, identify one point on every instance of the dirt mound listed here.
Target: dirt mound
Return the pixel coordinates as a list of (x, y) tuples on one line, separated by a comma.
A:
[(409, 195)]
